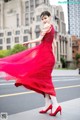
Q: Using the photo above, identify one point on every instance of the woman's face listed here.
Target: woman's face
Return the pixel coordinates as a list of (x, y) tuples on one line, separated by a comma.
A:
[(45, 19)]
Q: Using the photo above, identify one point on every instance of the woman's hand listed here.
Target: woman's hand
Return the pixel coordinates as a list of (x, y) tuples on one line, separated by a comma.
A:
[(33, 41), (30, 41)]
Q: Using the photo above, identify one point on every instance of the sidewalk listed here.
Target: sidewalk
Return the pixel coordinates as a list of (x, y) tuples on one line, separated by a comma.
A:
[(71, 111), (57, 72), (70, 72)]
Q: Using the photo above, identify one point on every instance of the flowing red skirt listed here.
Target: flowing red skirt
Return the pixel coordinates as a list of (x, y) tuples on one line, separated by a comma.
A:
[(31, 68)]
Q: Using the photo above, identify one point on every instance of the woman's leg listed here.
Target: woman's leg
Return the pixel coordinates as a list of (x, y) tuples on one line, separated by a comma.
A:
[(55, 103), (47, 101), (48, 105)]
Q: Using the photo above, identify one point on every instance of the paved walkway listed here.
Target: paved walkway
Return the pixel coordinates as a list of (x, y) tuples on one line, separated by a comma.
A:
[(57, 72), (64, 72), (71, 111)]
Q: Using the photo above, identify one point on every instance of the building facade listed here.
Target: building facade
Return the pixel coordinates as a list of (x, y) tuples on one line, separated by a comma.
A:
[(75, 49), (15, 14), (20, 22), (74, 17), (15, 21), (64, 42)]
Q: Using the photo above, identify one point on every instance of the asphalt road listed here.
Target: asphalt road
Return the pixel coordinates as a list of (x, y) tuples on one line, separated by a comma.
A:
[(18, 99)]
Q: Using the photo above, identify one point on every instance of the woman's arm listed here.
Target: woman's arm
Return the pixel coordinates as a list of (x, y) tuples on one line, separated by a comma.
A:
[(46, 28), (54, 47), (36, 40)]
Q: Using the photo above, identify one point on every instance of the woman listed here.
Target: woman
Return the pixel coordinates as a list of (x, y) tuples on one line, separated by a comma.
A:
[(32, 68)]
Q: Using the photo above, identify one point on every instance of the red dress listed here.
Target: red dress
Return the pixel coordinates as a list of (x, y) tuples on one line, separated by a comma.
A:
[(32, 68)]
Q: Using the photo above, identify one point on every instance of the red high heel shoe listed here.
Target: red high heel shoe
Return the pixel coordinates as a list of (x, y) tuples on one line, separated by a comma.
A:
[(44, 111), (59, 109)]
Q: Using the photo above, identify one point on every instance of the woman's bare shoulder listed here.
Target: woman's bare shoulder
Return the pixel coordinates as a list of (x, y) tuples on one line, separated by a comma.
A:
[(46, 25)]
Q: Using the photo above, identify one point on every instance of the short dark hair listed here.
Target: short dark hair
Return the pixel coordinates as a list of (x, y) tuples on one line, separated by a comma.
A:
[(45, 13)]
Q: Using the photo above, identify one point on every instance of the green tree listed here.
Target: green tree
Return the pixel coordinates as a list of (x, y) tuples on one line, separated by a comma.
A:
[(3, 53), (77, 58), (17, 48), (63, 61)]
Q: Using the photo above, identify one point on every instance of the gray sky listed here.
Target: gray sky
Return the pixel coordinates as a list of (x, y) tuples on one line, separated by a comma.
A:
[(64, 6)]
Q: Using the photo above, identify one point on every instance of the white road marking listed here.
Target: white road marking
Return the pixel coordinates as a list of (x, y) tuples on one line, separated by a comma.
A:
[(30, 92)]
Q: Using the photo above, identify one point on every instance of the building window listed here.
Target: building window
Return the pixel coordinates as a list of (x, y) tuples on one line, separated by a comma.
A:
[(31, 17), (6, 0), (31, 7), (38, 18), (27, 6), (45, 1), (37, 34), (17, 32), (27, 15), (1, 47), (8, 47), (26, 31), (36, 3), (27, 9), (25, 38), (8, 40), (1, 34), (1, 42), (9, 33), (37, 28), (31, 2), (73, 43), (17, 18), (62, 16), (26, 23), (16, 39), (26, 19), (27, 3)]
